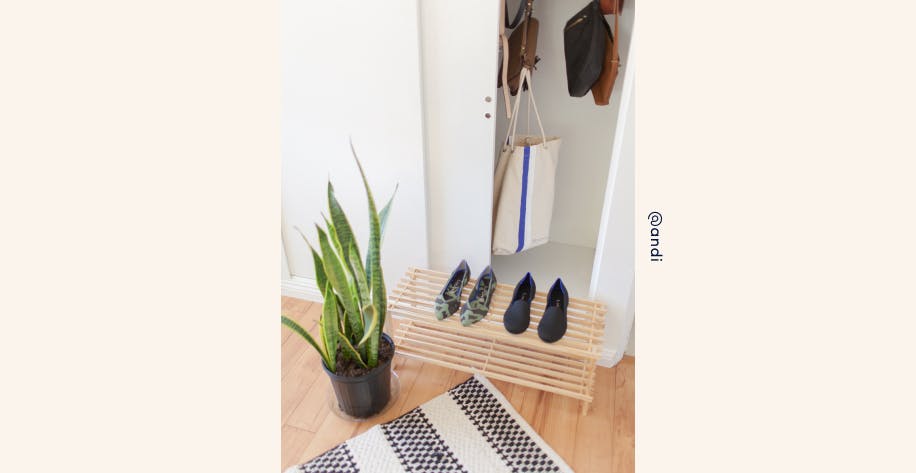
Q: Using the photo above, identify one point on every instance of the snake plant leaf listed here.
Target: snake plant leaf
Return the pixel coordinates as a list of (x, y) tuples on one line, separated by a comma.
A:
[(330, 331), (341, 224), (355, 320), (383, 222), (359, 274), (337, 275), (351, 352), (371, 315), (376, 282), (320, 277), (332, 235), (350, 319), (295, 327), (372, 348), (383, 215), (341, 317)]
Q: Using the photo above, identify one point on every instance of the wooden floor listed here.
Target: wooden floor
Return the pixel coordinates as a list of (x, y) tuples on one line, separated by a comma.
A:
[(601, 441)]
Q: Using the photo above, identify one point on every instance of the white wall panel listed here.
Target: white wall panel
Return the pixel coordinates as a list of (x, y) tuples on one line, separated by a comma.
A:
[(459, 51), (352, 69)]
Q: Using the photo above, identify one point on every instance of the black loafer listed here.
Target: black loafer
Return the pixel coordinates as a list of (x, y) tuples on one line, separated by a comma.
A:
[(449, 299), (518, 315), (553, 324)]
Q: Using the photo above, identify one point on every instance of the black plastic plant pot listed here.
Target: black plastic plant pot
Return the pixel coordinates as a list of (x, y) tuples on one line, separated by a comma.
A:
[(366, 395)]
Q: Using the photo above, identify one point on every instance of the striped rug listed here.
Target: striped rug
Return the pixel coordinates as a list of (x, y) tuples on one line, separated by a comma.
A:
[(470, 428)]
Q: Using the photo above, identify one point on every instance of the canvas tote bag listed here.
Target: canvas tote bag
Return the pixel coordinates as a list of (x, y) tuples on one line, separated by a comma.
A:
[(524, 183)]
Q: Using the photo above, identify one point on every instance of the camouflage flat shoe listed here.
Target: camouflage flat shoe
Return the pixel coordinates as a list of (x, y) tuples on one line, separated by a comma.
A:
[(449, 299), (478, 303)]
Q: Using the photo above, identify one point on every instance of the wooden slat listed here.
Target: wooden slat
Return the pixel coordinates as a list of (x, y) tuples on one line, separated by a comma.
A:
[(580, 312), (428, 292), (488, 364), (425, 306), (511, 379), (442, 277), (557, 361), (421, 334), (407, 303), (502, 294), (565, 368), (529, 338)]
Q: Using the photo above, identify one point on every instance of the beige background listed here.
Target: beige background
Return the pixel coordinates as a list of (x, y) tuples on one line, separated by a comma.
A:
[(777, 141), (139, 195)]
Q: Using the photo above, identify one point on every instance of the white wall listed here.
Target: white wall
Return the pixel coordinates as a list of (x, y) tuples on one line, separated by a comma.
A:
[(352, 69), (586, 129), (459, 72)]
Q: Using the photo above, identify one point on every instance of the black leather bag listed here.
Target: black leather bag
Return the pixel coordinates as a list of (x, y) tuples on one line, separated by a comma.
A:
[(584, 42)]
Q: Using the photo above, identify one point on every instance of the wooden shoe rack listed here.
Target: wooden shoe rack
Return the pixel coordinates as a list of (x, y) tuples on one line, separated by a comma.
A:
[(566, 367)]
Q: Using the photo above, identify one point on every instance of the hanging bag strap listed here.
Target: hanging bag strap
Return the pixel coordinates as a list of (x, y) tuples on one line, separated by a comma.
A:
[(616, 38), (525, 79), (505, 65), (528, 4)]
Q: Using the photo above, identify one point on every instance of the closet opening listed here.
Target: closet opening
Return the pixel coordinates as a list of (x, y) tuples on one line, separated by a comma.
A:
[(587, 134)]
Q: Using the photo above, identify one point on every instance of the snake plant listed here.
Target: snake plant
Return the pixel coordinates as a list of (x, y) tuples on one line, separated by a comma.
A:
[(354, 293)]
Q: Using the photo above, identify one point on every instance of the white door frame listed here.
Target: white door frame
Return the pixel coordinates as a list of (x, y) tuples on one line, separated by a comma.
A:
[(613, 271)]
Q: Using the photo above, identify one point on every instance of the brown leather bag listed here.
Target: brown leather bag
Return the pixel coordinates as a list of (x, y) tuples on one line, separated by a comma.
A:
[(609, 7), (601, 90), (523, 43)]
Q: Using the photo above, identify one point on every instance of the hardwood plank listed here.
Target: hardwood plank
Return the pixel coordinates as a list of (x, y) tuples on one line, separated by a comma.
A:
[(306, 413), (407, 370), (296, 386), (516, 397), (294, 308), (300, 368), (456, 378), (594, 434), (560, 423), (330, 432), (599, 441), (294, 442), (295, 350), (288, 307), (503, 386), (624, 417), (312, 410), (432, 380)]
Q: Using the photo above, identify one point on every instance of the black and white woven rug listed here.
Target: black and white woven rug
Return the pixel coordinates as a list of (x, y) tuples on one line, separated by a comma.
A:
[(471, 428)]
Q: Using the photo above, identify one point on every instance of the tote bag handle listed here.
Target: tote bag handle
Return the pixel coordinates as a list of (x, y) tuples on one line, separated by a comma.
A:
[(525, 78)]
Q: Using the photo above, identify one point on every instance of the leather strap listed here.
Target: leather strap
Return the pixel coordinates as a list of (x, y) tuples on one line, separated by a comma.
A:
[(615, 57), (528, 4), (505, 66)]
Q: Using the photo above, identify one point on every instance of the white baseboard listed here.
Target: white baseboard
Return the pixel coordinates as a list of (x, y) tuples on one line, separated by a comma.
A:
[(609, 357), (301, 288)]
